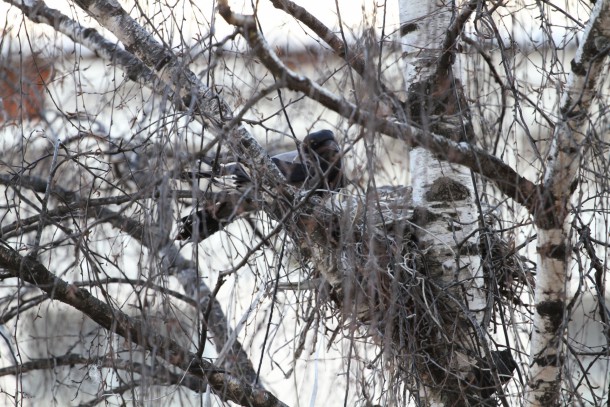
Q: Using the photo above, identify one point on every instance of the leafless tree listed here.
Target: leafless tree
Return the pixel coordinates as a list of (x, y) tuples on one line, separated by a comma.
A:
[(481, 282)]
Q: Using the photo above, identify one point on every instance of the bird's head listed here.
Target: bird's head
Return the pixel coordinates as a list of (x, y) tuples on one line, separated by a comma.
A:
[(322, 153), (323, 140), (323, 145)]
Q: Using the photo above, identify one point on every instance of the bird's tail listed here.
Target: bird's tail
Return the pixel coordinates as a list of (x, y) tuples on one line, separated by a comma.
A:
[(203, 223), (191, 175), (198, 226)]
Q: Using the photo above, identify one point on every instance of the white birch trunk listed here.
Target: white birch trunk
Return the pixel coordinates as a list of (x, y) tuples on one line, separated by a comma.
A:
[(454, 213), (546, 348), (422, 46)]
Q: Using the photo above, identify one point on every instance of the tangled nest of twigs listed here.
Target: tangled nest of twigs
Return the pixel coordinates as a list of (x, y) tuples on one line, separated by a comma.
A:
[(378, 276)]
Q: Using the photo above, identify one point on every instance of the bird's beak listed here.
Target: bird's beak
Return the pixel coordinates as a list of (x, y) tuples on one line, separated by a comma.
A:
[(331, 146), (335, 146)]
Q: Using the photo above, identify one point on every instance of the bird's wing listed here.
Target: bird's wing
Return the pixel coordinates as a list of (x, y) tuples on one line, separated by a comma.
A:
[(316, 165), (201, 224), (293, 157), (322, 155), (295, 172), (236, 172), (231, 175), (292, 167)]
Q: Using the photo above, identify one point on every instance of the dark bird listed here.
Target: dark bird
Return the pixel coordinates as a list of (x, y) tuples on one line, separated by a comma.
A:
[(504, 364), (315, 165)]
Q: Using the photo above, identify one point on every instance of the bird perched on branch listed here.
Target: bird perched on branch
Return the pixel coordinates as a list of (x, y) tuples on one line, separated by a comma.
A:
[(315, 165)]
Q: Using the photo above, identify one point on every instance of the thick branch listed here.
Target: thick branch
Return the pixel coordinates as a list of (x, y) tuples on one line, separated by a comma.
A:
[(569, 135), (506, 179), (135, 70), (453, 32), (186, 271), (158, 373), (134, 330), (354, 60)]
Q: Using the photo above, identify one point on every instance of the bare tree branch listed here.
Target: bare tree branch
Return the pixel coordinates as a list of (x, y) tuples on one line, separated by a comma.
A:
[(224, 385), (186, 271), (159, 373), (354, 59), (554, 241), (508, 181), (135, 70)]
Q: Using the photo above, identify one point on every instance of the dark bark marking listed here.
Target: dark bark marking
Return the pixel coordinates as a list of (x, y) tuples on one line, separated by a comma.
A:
[(554, 251), (578, 68), (163, 62), (445, 189), (549, 360), (553, 311), (470, 249), (422, 216), (407, 28)]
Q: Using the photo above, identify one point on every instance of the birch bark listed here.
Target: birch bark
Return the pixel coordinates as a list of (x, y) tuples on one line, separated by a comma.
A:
[(554, 246), (445, 191)]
